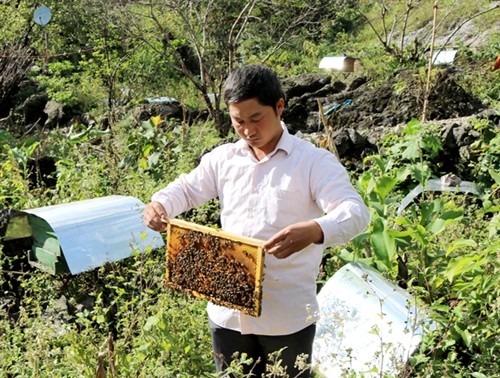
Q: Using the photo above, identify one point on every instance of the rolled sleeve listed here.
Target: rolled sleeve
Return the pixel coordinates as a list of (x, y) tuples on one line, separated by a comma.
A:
[(189, 190), (343, 223)]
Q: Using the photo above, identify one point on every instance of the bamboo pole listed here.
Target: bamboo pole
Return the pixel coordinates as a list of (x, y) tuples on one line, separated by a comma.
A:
[(429, 68)]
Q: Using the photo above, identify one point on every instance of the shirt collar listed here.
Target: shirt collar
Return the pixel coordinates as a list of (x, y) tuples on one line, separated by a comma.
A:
[(285, 143)]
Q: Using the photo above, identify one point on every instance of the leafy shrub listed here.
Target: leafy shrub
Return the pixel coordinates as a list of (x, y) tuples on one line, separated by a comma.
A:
[(66, 83)]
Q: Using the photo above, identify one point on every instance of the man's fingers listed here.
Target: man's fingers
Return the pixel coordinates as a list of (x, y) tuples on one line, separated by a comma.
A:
[(274, 241), (155, 216), (280, 246)]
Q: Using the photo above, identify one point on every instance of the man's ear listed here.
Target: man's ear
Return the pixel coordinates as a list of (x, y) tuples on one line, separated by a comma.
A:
[(280, 105)]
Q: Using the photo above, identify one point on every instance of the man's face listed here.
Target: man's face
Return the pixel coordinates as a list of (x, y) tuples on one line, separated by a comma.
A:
[(258, 124)]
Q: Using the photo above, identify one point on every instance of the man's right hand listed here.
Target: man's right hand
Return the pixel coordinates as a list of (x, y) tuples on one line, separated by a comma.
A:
[(155, 216)]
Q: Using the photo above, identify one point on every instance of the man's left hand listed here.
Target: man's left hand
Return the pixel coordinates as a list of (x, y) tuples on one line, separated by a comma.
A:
[(293, 238)]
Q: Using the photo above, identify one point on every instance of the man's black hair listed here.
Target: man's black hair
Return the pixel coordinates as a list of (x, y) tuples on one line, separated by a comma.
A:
[(253, 81)]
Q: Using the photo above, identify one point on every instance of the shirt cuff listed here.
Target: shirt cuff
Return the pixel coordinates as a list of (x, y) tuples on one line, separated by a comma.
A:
[(343, 223)]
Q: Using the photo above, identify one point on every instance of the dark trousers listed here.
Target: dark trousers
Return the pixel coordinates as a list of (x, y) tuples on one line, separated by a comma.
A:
[(226, 343)]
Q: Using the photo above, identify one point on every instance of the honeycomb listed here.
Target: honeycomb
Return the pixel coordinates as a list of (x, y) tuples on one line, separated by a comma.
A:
[(215, 265)]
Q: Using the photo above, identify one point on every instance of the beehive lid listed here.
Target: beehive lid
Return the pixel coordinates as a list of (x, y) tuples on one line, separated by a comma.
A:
[(84, 235), (362, 314), (221, 267)]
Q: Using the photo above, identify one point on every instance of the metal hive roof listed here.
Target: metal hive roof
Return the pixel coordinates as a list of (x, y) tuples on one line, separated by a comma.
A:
[(92, 232)]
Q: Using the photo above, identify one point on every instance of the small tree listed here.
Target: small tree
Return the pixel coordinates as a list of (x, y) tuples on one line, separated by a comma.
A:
[(15, 62), (395, 23), (203, 39)]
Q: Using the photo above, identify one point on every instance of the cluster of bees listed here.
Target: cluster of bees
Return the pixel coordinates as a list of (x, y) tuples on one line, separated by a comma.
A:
[(203, 265)]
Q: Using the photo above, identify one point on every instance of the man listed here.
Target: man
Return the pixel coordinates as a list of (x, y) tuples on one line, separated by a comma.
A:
[(275, 187)]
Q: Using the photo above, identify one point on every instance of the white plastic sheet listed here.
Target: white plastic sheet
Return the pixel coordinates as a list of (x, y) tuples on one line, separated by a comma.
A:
[(368, 327)]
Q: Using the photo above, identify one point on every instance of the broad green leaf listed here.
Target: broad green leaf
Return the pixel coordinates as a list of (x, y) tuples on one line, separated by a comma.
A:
[(153, 159), (151, 322), (384, 185), (148, 130), (403, 173), (381, 163), (459, 266), (436, 226), (413, 127), (439, 224), (412, 150), (100, 319), (421, 172), (383, 243), (351, 256), (494, 226), (146, 150), (495, 176), (428, 211), (437, 282), (452, 214), (478, 375), (400, 234), (143, 163), (465, 335), (404, 221), (460, 243), (361, 237)]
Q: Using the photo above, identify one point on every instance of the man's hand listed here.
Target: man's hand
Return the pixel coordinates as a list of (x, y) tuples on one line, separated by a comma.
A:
[(293, 238), (155, 216)]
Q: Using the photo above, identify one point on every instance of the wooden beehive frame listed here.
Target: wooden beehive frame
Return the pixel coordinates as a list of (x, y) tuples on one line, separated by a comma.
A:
[(221, 267)]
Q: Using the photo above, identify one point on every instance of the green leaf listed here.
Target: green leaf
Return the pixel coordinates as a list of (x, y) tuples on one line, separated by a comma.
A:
[(153, 159), (412, 150), (478, 375), (143, 163), (382, 242), (494, 226), (413, 127), (465, 335), (439, 224), (403, 173), (351, 256), (384, 185), (436, 226), (494, 175), (460, 243), (452, 214), (151, 322), (100, 319), (146, 150), (148, 129), (421, 172), (459, 266)]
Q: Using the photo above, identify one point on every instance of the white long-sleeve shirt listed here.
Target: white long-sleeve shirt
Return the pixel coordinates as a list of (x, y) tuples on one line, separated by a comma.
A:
[(296, 182)]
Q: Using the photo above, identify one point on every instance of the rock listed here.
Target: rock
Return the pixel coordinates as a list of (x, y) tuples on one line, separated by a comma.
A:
[(302, 93), (33, 109), (362, 115), (160, 106), (302, 84), (55, 114)]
